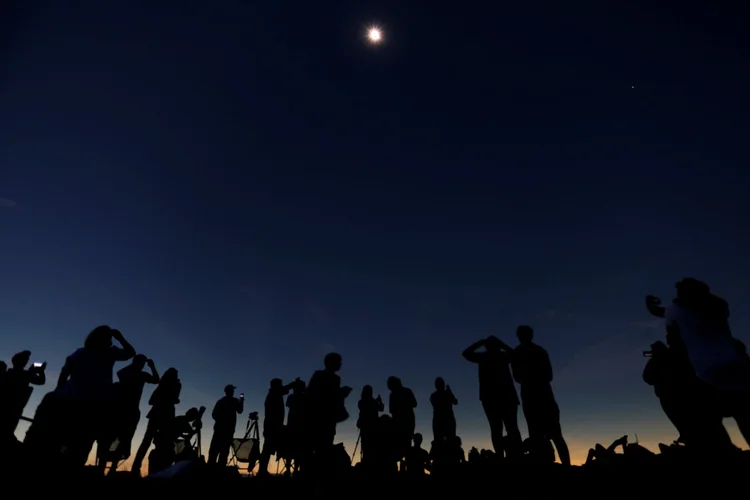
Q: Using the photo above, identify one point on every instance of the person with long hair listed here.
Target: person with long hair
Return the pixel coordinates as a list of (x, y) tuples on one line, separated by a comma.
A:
[(162, 401)]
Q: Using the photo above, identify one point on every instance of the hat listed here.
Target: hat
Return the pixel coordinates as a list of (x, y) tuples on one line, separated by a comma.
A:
[(230, 387)]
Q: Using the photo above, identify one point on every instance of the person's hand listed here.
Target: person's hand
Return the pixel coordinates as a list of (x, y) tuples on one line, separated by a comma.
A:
[(652, 301), (346, 390), (150, 363), (116, 335), (44, 366), (491, 338), (448, 388)]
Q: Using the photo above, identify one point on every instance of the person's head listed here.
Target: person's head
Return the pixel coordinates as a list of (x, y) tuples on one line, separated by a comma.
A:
[(99, 339), (229, 390), (525, 334), (171, 375), (139, 361), (299, 386), (332, 362), (393, 383), (691, 289), (440, 384), (367, 392), (418, 439), (20, 360), (493, 344), (192, 414), (276, 384)]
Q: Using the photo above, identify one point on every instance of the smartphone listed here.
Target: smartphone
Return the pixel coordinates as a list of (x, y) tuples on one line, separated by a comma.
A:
[(38, 365), (647, 354), (242, 396)]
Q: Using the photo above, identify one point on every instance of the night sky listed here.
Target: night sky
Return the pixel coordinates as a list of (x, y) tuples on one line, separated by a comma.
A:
[(241, 187)]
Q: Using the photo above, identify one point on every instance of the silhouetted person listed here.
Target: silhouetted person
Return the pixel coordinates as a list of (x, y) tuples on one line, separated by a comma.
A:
[(383, 451), (370, 409), (273, 422), (497, 392), (443, 419), (85, 385), (325, 408), (225, 421), (401, 405), (701, 320), (295, 420), (417, 459), (16, 390), (533, 371), (162, 401), (179, 428), (128, 393)]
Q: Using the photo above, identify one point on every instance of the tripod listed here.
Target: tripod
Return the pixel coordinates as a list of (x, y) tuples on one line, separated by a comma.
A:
[(247, 449)]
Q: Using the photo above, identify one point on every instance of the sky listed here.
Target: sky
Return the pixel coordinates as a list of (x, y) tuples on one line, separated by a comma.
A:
[(242, 187)]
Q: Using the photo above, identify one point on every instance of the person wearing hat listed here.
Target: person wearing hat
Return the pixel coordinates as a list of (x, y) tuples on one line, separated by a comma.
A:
[(225, 420)]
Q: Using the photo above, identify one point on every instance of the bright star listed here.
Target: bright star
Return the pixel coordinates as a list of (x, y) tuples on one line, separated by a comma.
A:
[(374, 35)]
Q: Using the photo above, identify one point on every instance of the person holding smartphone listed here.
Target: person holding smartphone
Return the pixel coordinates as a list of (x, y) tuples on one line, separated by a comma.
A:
[(17, 391), (225, 420)]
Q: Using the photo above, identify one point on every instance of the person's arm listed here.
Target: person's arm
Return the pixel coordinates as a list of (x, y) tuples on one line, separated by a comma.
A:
[(64, 374), (470, 354), (153, 377), (453, 397), (649, 372), (240, 406), (546, 366), (125, 352), (215, 412), (516, 367), (413, 399)]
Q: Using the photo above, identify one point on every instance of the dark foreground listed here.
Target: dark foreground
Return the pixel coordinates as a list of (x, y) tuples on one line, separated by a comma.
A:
[(706, 478)]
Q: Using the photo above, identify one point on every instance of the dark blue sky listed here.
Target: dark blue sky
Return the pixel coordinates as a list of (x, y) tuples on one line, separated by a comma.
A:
[(241, 188)]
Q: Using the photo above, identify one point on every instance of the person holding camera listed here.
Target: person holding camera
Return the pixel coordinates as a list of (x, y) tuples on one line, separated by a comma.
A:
[(85, 386), (16, 390), (225, 421)]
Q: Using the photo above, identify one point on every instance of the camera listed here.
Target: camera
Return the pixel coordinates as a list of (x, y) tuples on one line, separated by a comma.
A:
[(648, 354), (253, 415)]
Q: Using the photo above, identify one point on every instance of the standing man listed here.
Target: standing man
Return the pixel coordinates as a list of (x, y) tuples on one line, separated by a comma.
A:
[(497, 392), (225, 420), (533, 371)]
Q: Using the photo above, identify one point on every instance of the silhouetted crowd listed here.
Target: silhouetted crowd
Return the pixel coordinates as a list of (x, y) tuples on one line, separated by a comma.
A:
[(700, 373)]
